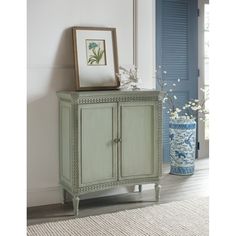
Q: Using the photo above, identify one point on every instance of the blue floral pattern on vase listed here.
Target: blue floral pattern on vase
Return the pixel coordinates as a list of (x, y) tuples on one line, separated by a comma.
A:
[(182, 133)]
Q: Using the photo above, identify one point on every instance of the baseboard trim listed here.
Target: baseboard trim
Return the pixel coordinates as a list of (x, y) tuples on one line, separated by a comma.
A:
[(43, 196)]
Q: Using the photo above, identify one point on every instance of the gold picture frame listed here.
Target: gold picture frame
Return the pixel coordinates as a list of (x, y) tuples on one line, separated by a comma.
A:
[(95, 58)]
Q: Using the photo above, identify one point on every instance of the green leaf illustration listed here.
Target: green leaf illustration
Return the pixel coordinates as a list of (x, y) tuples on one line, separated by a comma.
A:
[(96, 57)]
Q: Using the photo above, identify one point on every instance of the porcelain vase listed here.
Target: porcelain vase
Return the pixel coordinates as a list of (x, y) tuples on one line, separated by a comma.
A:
[(182, 133)]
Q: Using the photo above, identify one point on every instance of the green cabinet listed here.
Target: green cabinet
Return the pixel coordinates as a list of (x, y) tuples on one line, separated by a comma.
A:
[(109, 139)]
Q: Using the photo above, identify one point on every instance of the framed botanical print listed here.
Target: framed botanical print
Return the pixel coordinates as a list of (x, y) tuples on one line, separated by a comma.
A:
[(95, 57)]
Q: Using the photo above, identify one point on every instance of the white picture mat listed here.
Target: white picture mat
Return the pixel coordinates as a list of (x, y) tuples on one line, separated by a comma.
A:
[(95, 76)]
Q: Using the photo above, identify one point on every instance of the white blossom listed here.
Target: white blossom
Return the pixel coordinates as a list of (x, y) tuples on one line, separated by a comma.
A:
[(194, 108), (191, 106)]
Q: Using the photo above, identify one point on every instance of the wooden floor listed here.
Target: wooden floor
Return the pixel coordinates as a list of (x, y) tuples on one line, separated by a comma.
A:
[(174, 188)]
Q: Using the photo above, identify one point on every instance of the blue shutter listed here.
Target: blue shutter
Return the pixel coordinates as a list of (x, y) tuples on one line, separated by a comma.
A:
[(176, 22)]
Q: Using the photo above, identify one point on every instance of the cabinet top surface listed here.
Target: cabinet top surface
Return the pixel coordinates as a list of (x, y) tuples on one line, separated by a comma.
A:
[(110, 95), (109, 92)]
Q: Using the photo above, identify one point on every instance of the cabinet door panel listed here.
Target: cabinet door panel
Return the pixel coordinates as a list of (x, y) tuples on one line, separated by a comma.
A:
[(98, 152), (65, 146), (138, 155)]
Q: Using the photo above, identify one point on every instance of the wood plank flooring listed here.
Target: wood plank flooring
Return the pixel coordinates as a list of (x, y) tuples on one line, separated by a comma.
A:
[(174, 188)]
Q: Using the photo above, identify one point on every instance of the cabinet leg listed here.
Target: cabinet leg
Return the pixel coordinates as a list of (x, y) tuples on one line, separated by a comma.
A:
[(140, 188), (76, 205), (158, 191), (64, 196)]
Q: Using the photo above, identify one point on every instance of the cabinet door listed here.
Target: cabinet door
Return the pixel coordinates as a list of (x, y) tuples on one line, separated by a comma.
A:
[(97, 149), (138, 154)]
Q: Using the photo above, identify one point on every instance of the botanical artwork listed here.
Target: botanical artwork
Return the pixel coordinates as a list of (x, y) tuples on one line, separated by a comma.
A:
[(95, 57), (96, 53)]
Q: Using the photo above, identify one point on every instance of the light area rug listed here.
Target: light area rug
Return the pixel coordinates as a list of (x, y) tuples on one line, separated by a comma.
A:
[(182, 218)]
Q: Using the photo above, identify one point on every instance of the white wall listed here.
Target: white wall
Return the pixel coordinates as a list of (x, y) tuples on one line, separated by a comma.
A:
[(146, 41), (50, 68)]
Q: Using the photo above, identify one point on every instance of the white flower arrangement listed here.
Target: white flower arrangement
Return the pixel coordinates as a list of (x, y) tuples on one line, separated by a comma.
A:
[(191, 110), (129, 78)]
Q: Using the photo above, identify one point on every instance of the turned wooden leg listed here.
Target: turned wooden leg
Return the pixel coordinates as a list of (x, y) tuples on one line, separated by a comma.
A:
[(64, 196), (140, 188), (76, 205), (158, 191)]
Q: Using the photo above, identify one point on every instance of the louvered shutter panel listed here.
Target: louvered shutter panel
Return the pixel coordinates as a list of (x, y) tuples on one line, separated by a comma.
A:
[(176, 22)]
